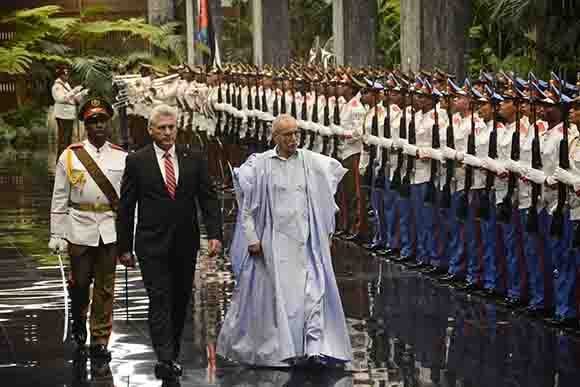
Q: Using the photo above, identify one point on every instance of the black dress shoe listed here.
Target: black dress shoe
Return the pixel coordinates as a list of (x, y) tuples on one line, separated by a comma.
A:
[(513, 302), (100, 352), (177, 368), (563, 323), (404, 259), (435, 271), (79, 333), (351, 237), (171, 383), (490, 293), (452, 278), (416, 265), (469, 287), (165, 370), (538, 312), (339, 233)]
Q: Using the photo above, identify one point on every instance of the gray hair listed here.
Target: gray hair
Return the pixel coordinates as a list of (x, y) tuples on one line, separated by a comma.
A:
[(159, 111), (280, 120)]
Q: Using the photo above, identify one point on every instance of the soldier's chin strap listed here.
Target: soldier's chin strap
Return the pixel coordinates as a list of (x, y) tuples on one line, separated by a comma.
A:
[(65, 295)]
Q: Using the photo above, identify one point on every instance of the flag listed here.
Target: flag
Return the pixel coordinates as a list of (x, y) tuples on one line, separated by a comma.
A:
[(206, 33)]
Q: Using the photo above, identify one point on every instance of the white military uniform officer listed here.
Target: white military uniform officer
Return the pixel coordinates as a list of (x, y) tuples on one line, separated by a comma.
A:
[(82, 215)]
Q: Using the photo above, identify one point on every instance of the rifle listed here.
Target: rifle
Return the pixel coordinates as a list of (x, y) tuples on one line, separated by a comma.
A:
[(336, 121), (533, 222), (463, 208), (380, 179), (250, 109), (405, 189), (326, 139), (264, 138), (431, 194), (449, 164), (314, 119), (505, 208), (257, 107), (557, 227), (485, 201), (226, 132), (293, 112), (369, 175), (396, 183), (283, 99), (239, 120), (218, 126), (303, 117)]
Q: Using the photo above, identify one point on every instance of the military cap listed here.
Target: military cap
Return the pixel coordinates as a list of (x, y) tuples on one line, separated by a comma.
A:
[(62, 69), (94, 107)]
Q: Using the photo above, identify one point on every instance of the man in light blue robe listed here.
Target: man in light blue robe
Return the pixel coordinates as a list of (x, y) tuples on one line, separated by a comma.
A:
[(286, 306)]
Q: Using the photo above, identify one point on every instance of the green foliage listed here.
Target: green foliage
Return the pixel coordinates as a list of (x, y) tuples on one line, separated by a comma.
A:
[(524, 35), (236, 39), (309, 19), (16, 126), (389, 32)]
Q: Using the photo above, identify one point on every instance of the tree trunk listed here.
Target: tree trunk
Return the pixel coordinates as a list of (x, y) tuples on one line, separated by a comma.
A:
[(276, 32), (359, 24), (434, 34), (160, 11)]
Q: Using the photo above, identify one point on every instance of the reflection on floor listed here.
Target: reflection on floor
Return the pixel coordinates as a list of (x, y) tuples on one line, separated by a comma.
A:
[(405, 329)]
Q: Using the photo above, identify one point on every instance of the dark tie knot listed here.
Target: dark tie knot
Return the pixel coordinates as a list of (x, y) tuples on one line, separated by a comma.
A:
[(167, 155)]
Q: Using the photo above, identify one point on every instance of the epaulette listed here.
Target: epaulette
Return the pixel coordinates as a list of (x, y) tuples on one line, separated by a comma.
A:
[(117, 147), (76, 145)]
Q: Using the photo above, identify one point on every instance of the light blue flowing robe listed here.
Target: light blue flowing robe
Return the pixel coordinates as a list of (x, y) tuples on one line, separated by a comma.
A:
[(258, 329)]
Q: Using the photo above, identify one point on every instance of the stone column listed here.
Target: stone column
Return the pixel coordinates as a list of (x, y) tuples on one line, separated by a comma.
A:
[(354, 29), (434, 34), (271, 20)]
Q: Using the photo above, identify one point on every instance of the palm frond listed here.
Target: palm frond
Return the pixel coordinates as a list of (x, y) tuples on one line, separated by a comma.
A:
[(14, 60), (95, 73)]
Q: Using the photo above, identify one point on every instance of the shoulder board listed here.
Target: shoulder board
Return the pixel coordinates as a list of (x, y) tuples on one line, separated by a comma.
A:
[(396, 108), (76, 146), (500, 125), (117, 147)]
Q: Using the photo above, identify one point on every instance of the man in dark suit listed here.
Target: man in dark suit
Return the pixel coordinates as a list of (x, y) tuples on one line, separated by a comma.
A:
[(165, 182)]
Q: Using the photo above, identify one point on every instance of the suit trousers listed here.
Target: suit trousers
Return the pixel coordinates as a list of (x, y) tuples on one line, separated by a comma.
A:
[(169, 283), (96, 264)]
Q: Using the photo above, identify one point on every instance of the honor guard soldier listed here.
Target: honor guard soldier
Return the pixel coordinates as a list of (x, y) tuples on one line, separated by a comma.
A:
[(65, 106), (84, 203)]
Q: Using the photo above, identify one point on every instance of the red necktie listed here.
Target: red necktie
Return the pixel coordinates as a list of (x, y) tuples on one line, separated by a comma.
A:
[(170, 183)]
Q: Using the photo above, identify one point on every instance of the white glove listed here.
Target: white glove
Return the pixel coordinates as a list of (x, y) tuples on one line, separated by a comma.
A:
[(58, 245), (495, 166), (425, 153), (535, 175), (399, 143), (386, 143), (515, 167), (366, 138), (472, 160), (373, 140), (437, 154), (449, 153), (566, 177), (410, 150)]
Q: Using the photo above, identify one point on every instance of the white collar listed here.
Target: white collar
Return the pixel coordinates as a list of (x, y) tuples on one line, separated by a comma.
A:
[(94, 149), (160, 152)]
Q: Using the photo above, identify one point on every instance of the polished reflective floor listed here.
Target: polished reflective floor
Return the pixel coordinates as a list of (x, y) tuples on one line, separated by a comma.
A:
[(406, 330)]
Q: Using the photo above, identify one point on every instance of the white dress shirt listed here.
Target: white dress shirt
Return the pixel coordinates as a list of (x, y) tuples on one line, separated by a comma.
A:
[(161, 161)]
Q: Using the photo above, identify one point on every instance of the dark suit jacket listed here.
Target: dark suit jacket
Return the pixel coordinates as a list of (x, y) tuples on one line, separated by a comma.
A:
[(164, 224)]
